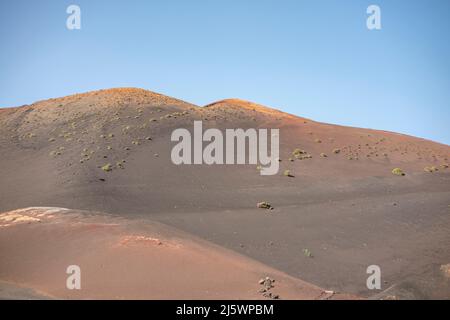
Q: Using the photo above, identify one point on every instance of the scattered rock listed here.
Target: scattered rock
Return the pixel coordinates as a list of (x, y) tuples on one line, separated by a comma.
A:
[(264, 205), (326, 295), (270, 295), (268, 285), (431, 169)]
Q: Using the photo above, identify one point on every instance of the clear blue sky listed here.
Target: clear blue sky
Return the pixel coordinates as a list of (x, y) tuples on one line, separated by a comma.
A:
[(311, 58)]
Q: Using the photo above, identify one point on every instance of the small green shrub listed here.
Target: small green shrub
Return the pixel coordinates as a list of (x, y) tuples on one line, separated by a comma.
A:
[(297, 152), (398, 172), (307, 253), (288, 173), (107, 167)]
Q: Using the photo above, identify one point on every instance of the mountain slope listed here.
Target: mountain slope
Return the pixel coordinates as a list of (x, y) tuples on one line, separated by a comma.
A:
[(56, 153), (59, 146)]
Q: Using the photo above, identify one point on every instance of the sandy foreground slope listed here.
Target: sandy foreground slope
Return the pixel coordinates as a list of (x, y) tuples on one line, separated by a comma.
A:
[(127, 259), (343, 204)]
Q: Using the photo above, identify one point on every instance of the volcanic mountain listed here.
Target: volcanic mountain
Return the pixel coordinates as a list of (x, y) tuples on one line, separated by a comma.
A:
[(340, 209)]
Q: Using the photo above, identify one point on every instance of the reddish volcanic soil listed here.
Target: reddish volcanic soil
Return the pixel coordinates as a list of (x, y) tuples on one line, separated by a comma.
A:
[(343, 205), (128, 259)]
